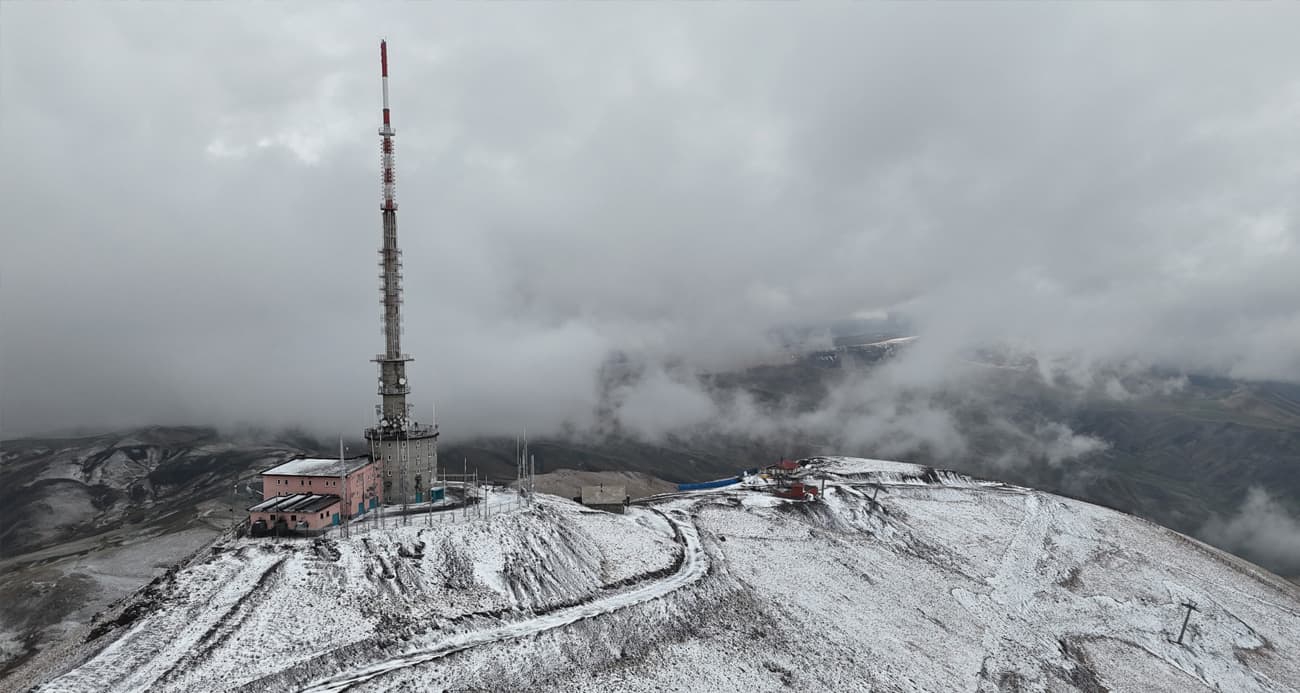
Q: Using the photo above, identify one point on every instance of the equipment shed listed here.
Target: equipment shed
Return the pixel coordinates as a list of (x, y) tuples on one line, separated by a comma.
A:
[(611, 498)]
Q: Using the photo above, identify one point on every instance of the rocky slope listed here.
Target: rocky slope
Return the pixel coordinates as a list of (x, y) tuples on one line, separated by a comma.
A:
[(87, 520)]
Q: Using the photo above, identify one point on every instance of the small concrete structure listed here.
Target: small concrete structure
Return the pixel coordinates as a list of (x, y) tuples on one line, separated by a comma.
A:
[(613, 499), (300, 512)]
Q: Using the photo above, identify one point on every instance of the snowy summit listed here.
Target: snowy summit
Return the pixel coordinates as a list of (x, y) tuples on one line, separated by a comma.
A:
[(892, 577)]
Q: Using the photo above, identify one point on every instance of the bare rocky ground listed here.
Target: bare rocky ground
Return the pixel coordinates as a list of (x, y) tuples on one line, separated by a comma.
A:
[(568, 483)]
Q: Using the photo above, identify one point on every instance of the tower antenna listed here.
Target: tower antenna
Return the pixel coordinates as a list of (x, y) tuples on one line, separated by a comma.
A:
[(396, 439)]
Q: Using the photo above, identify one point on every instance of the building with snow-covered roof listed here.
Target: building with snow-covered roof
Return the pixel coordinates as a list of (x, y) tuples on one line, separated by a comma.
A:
[(783, 468), (298, 512), (355, 481)]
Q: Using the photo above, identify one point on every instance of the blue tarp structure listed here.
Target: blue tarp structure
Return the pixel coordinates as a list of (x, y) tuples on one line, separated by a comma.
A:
[(708, 484)]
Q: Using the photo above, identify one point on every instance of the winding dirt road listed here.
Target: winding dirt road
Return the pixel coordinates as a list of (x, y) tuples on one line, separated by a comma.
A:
[(695, 563)]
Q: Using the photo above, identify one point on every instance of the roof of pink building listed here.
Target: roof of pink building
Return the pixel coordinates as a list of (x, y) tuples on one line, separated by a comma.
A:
[(316, 466), (302, 503)]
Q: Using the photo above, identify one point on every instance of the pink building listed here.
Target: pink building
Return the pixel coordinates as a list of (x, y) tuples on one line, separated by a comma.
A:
[(299, 512), (355, 481)]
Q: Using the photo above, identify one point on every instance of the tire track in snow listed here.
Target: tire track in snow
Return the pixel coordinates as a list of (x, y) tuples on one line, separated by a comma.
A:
[(1008, 640), (220, 631), (137, 659), (694, 566)]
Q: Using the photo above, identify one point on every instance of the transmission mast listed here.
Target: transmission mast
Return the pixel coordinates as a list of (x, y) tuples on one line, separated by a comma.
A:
[(402, 448)]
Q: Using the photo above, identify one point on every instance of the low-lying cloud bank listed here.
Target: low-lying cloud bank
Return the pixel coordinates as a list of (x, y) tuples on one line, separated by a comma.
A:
[(1262, 531), (896, 408)]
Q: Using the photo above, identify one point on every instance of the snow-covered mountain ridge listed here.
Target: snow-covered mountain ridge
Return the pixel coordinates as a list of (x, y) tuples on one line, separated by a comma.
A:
[(941, 582)]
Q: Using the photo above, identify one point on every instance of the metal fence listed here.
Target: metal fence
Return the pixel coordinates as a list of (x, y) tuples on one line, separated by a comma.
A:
[(433, 514)]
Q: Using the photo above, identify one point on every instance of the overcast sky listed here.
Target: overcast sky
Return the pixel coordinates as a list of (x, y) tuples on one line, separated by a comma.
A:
[(189, 195)]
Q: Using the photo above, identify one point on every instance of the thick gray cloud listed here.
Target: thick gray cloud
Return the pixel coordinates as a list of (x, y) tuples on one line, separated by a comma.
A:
[(1262, 530), (189, 211)]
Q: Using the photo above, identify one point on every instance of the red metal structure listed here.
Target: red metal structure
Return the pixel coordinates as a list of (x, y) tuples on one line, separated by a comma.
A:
[(798, 490)]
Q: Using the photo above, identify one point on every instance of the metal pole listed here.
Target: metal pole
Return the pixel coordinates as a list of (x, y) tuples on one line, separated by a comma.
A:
[(1186, 617), (433, 454), (345, 501), (378, 518), (404, 454)]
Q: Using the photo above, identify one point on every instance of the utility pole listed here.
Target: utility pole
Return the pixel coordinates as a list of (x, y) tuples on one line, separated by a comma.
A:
[(405, 448), (1190, 606), (345, 501), (234, 504)]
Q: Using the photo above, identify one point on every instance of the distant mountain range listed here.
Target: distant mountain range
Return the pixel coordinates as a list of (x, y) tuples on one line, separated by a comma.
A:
[(86, 520)]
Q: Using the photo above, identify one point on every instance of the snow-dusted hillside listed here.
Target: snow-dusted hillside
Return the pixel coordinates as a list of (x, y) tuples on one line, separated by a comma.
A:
[(941, 583), (86, 521)]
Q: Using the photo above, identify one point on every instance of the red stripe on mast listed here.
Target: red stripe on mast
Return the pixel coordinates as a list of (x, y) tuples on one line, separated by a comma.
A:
[(383, 58)]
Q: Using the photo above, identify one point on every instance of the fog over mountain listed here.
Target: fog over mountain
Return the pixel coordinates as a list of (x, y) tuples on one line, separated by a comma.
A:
[(189, 211)]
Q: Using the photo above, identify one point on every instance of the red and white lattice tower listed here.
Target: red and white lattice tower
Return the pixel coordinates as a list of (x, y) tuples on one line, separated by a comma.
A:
[(405, 450)]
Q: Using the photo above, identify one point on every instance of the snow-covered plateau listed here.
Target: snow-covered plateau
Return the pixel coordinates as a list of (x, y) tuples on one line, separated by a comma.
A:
[(899, 578)]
